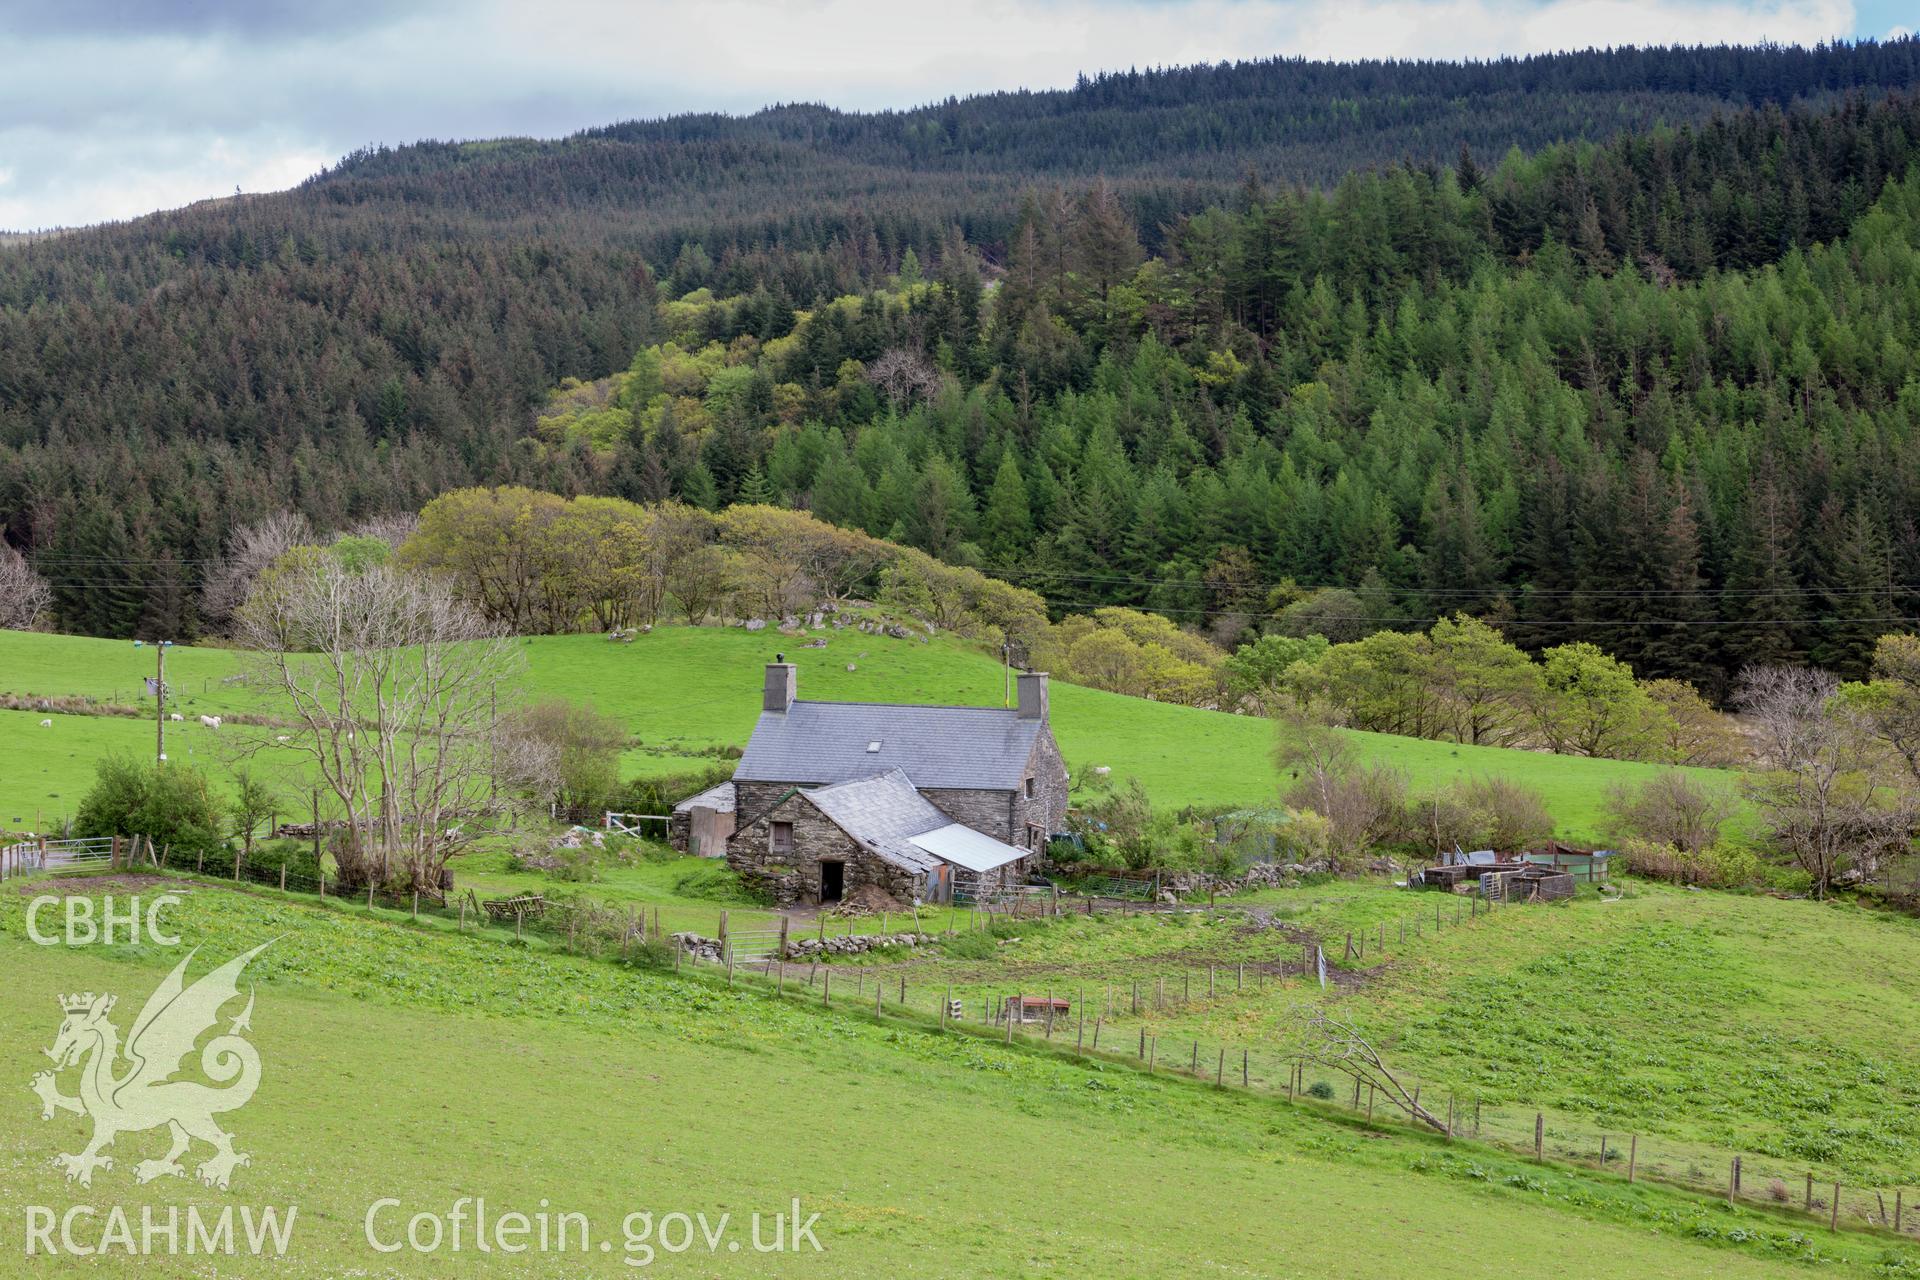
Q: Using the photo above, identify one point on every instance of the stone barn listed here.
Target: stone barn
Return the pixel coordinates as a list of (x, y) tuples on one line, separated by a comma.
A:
[(914, 800)]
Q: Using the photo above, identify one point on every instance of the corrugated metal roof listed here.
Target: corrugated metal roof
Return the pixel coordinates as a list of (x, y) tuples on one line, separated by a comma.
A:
[(827, 742), (967, 848)]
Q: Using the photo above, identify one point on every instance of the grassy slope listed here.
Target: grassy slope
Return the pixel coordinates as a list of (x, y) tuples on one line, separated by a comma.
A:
[(412, 1064), (686, 691), (1704, 1022)]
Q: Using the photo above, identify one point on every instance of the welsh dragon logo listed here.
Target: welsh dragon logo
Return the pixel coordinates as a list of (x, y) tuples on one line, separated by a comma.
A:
[(143, 1094)]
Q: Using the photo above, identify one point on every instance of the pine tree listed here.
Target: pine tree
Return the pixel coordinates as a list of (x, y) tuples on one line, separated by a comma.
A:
[(1006, 526)]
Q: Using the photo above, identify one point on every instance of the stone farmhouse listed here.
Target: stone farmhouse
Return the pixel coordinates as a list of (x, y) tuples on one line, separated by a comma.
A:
[(914, 801)]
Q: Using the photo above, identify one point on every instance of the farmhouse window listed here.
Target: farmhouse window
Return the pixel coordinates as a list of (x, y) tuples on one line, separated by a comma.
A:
[(1030, 789), (783, 837)]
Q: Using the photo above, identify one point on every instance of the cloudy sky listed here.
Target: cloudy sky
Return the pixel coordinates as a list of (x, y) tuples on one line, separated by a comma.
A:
[(112, 108)]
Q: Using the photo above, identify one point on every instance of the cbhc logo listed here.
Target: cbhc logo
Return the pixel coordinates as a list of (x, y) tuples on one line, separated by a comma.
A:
[(119, 920)]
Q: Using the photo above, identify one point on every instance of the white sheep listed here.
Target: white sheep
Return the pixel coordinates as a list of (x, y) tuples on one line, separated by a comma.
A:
[(283, 737), (176, 717), (211, 722), (46, 724)]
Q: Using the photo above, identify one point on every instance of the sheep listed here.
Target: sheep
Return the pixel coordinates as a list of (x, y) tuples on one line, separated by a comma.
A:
[(283, 737), (211, 722), (176, 717), (46, 724)]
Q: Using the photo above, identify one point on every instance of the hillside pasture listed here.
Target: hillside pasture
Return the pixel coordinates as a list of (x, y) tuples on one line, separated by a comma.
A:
[(410, 1064), (689, 694)]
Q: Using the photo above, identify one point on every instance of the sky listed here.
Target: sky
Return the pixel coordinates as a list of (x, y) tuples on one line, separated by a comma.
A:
[(114, 108)]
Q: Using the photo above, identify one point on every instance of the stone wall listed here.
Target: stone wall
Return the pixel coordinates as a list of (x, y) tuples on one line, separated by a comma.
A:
[(1048, 808), (796, 875), (991, 813), (751, 799)]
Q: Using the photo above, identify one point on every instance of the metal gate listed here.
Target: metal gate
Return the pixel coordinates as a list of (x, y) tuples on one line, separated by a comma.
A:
[(53, 855), (752, 946)]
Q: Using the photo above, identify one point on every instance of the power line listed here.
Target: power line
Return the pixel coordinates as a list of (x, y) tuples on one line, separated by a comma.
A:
[(1482, 592)]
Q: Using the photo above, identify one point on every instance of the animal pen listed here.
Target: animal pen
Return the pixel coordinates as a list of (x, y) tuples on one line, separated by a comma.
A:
[(1534, 884)]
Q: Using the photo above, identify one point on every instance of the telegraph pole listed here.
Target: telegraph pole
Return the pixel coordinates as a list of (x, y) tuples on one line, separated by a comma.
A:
[(160, 702)]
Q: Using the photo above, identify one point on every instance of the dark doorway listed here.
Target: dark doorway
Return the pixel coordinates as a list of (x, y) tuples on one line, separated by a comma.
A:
[(833, 881)]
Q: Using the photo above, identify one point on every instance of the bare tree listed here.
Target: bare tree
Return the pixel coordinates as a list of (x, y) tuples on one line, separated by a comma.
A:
[(1672, 809), (1363, 805), (1823, 795), (25, 596), (393, 529), (903, 376), (250, 549), (1324, 1039), (394, 685)]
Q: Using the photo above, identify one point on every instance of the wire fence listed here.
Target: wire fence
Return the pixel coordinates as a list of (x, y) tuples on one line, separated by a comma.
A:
[(1112, 1020), (1076, 1023)]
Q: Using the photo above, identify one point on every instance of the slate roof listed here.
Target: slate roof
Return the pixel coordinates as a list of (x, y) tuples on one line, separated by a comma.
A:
[(826, 742), (882, 812)]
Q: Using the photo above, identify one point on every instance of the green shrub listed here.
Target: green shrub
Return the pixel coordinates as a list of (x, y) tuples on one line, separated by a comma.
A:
[(1320, 1089), (659, 795), (1724, 865), (171, 804)]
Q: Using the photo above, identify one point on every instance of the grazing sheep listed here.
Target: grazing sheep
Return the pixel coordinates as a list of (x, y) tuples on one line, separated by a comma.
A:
[(46, 724), (283, 737), (211, 722), (176, 717)]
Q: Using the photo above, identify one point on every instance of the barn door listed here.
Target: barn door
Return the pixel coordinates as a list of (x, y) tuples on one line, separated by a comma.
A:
[(833, 881)]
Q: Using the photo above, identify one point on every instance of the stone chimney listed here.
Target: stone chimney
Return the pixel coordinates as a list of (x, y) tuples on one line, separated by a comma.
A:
[(783, 681), (1033, 695)]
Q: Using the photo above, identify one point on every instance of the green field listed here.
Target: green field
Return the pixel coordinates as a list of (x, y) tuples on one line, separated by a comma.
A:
[(688, 691), (410, 1064), (1708, 1024)]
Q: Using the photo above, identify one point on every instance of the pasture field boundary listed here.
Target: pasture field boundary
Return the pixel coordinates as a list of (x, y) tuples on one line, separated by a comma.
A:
[(1062, 1026)]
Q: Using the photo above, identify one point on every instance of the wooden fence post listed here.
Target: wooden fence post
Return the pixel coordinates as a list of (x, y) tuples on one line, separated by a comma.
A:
[(283, 877), (1833, 1223), (1733, 1178), (1633, 1154), (1220, 1069), (1809, 1191), (1539, 1135)]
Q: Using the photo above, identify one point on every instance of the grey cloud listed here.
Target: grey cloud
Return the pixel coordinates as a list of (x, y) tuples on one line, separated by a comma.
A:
[(248, 19)]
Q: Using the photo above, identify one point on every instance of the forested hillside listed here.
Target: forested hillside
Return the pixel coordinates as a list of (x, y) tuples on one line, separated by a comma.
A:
[(1140, 342), (1595, 394)]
